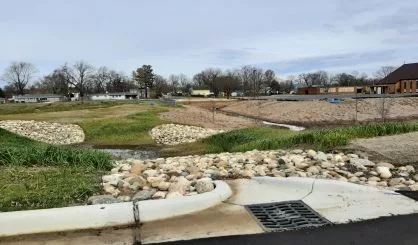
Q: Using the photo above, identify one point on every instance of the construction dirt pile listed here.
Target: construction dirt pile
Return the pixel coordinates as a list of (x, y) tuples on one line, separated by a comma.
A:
[(323, 112)]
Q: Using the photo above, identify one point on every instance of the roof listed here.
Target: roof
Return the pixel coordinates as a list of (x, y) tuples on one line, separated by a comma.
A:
[(110, 94), (37, 96), (405, 72)]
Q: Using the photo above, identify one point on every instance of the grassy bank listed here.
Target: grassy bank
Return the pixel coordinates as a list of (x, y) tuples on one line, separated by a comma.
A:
[(129, 130), (270, 138), (37, 175)]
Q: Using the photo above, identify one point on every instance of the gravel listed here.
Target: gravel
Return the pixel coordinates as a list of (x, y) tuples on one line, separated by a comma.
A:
[(175, 177), (51, 133), (174, 134)]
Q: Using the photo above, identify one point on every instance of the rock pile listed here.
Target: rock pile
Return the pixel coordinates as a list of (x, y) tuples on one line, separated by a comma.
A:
[(51, 133), (190, 175), (174, 134)]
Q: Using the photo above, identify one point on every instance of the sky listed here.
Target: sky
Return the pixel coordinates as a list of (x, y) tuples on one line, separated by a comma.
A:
[(187, 36)]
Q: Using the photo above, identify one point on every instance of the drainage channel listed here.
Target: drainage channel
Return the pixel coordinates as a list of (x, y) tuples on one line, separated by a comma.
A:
[(286, 216)]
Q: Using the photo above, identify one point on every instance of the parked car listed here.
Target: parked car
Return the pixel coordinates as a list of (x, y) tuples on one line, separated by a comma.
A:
[(335, 100)]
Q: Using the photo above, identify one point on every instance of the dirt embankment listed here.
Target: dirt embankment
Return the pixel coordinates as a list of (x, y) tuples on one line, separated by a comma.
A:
[(312, 113), (197, 116)]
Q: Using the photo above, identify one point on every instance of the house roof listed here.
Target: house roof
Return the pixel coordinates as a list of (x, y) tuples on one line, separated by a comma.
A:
[(405, 72), (37, 96)]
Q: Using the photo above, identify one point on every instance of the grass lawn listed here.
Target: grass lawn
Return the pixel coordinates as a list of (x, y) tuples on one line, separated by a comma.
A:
[(37, 175), (129, 130), (6, 109)]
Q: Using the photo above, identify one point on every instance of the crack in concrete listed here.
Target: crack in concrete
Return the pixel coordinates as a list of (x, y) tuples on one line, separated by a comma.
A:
[(311, 191)]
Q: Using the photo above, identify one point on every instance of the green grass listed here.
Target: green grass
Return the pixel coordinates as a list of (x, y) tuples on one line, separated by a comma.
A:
[(270, 138), (129, 130), (24, 188), (37, 175), (20, 151), (6, 109)]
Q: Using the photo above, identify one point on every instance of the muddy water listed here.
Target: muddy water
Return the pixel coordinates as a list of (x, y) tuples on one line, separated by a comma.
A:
[(264, 123), (126, 152)]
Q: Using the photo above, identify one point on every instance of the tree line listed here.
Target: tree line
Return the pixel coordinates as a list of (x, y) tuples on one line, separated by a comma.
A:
[(81, 77)]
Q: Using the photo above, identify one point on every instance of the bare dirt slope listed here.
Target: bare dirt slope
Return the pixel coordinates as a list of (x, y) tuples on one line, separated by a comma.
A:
[(322, 112), (398, 149), (197, 116)]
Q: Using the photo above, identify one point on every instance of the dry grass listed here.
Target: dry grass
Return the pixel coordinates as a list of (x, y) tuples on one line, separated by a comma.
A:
[(191, 115), (74, 116), (322, 112)]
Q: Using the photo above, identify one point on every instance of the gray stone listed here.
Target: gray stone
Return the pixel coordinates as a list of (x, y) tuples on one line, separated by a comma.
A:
[(204, 186), (144, 195), (396, 181), (415, 177), (102, 199), (362, 162)]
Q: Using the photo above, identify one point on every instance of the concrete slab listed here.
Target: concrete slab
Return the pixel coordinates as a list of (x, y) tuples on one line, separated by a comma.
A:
[(342, 202), (222, 220), (267, 189)]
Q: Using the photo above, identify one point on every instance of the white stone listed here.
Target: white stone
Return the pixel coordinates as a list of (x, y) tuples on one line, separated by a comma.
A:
[(384, 172)]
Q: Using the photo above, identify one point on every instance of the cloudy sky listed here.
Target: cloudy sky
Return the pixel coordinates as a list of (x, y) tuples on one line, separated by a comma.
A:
[(187, 36)]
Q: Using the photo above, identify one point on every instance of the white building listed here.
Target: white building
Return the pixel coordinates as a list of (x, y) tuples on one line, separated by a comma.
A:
[(114, 96), (37, 98)]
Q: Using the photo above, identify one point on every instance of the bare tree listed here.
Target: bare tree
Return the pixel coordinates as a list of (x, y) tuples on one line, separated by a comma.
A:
[(100, 79), (55, 83), (383, 106), (161, 86), (174, 82), (384, 71), (269, 80), (207, 79), (79, 75), (19, 75), (256, 79)]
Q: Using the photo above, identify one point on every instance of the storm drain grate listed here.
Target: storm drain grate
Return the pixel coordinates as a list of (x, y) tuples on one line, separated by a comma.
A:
[(411, 194), (284, 216)]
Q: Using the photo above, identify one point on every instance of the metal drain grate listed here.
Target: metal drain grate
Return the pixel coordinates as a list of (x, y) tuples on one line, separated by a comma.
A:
[(411, 194), (284, 216)]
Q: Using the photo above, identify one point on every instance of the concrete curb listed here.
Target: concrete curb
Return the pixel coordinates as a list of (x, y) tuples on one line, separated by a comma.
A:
[(107, 215)]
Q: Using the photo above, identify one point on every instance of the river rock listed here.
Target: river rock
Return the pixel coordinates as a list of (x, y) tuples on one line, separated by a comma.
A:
[(181, 186), (204, 186), (385, 164), (138, 167), (51, 133), (144, 195), (311, 153), (384, 172), (159, 195), (102, 199), (358, 162), (313, 170)]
